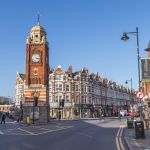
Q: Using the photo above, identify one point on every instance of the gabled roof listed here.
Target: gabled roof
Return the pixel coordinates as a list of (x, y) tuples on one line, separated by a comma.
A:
[(21, 75), (59, 70)]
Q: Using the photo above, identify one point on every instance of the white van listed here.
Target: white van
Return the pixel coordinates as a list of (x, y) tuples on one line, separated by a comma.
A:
[(123, 112)]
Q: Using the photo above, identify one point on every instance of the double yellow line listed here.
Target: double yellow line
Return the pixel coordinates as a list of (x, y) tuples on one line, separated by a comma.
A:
[(119, 139)]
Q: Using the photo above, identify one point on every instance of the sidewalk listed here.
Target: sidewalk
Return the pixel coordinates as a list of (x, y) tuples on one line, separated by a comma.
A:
[(136, 144)]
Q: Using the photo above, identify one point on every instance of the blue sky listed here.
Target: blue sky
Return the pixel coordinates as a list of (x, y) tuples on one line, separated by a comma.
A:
[(81, 33)]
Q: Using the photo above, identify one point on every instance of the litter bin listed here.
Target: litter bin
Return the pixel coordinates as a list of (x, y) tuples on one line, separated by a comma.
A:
[(139, 129), (129, 122)]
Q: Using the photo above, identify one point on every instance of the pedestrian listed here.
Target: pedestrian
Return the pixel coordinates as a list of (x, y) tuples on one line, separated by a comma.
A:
[(119, 116), (146, 117), (3, 118), (59, 115), (100, 114)]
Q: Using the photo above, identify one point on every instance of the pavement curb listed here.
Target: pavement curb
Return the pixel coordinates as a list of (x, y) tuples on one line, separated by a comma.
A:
[(126, 139), (127, 143), (131, 142)]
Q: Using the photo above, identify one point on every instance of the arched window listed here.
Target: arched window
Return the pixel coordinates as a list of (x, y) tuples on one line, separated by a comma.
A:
[(39, 80)]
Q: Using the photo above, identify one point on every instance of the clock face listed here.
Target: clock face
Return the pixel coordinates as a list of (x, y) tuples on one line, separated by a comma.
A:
[(36, 58)]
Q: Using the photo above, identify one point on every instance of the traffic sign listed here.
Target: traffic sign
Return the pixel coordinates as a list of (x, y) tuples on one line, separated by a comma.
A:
[(139, 95)]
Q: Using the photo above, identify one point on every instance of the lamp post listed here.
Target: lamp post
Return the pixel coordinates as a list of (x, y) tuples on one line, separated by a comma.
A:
[(80, 102), (125, 37), (131, 93), (80, 90)]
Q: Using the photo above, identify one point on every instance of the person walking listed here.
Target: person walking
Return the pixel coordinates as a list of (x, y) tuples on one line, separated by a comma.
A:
[(59, 115), (146, 117), (3, 118), (119, 116), (100, 113)]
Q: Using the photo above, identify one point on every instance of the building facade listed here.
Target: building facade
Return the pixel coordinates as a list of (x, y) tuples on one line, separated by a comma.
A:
[(85, 95), (19, 89), (6, 108), (145, 81)]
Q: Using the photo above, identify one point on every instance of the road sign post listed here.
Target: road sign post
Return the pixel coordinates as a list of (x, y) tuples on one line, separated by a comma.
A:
[(140, 96)]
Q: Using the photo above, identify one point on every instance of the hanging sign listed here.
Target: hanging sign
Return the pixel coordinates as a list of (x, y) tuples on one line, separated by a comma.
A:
[(139, 95)]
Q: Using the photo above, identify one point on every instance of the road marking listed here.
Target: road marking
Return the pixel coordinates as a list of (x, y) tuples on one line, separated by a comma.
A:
[(26, 131), (119, 139), (11, 122), (89, 136), (117, 142), (1, 132), (42, 128), (53, 130)]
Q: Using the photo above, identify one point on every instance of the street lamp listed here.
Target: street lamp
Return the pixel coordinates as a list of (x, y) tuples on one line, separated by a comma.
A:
[(80, 101), (131, 93), (80, 90), (125, 37)]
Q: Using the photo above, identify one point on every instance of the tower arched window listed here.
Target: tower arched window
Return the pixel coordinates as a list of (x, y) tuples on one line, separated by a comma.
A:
[(39, 80)]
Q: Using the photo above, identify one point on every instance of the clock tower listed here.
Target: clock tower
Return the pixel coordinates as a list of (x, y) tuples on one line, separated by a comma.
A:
[(36, 93)]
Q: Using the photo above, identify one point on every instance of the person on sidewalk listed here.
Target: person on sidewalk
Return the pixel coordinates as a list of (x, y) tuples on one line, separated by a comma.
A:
[(3, 118), (119, 116), (146, 117)]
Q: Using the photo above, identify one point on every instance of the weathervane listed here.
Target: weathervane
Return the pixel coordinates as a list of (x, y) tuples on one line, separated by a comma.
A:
[(38, 18)]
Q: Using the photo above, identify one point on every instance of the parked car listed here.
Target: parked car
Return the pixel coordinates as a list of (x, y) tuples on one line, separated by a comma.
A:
[(123, 112)]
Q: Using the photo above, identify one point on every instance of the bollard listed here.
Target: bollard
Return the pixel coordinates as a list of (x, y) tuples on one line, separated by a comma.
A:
[(28, 121)]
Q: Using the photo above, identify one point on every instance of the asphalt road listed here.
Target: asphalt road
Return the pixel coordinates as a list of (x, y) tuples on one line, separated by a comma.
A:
[(62, 135)]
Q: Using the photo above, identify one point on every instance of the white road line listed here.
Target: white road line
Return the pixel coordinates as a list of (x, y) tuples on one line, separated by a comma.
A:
[(118, 132), (26, 131), (1, 132), (119, 139), (53, 130), (121, 145), (42, 128), (89, 136)]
